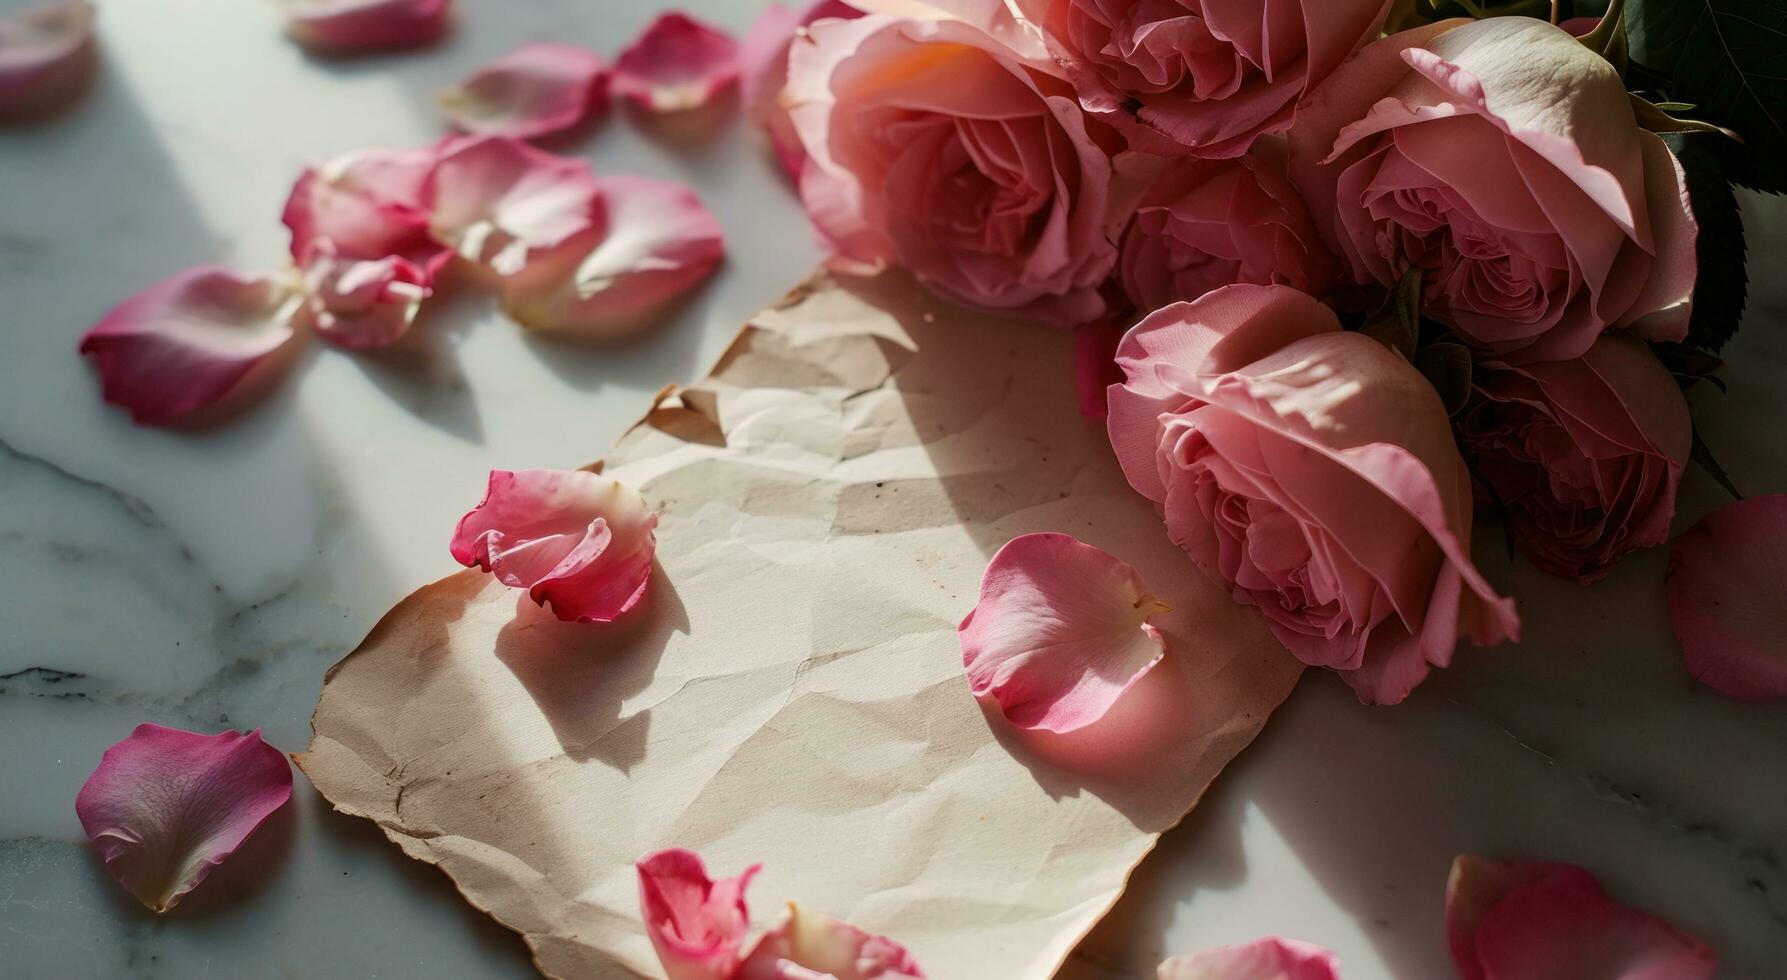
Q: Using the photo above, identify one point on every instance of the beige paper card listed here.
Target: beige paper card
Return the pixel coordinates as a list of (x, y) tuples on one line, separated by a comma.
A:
[(791, 691)]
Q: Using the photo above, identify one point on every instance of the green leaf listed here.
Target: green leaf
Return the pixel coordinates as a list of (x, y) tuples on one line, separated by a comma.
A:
[(1447, 366), (1397, 324), (1720, 283)]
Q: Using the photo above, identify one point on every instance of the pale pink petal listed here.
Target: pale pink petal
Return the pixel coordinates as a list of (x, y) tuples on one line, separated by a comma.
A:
[(45, 54), (350, 26), (366, 205), (656, 242), (1728, 598), (696, 924), (581, 544), (763, 65), (535, 90), (361, 303), (166, 806), (808, 945), (1271, 958), (499, 202), (679, 63), (1060, 633), (185, 342)]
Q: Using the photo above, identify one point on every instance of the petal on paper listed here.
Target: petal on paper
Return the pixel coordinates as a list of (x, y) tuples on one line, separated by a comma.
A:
[(1271, 958), (696, 924), (656, 242), (366, 205), (498, 201), (1727, 589), (580, 544), (166, 806), (533, 91), (185, 342), (362, 303), (679, 63), (46, 52), (808, 945), (351, 26), (1060, 633)]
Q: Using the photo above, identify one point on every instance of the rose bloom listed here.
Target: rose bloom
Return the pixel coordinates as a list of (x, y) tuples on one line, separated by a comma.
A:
[(1210, 223), (1313, 470), (1204, 76), (935, 145), (1502, 158), (1584, 454)]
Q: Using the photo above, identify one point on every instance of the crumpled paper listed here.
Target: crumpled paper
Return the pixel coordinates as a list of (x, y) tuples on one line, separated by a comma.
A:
[(791, 691)]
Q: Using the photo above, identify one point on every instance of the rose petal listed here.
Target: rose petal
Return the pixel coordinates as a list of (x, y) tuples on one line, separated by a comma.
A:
[(696, 924), (1060, 633), (366, 205), (656, 242), (499, 202), (360, 303), (579, 543), (763, 65), (166, 806), (1271, 958), (185, 342), (45, 55), (679, 63), (808, 945), (1728, 598), (348, 26), (533, 91)]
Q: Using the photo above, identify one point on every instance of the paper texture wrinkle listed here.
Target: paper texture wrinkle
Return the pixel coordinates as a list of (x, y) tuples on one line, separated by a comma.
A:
[(791, 691)]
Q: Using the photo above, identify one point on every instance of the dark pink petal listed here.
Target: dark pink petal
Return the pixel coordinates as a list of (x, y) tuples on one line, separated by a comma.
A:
[(1728, 598), (696, 924), (45, 54), (166, 806), (185, 342), (362, 303), (656, 242), (535, 90), (1271, 958), (808, 945), (679, 63), (579, 543), (350, 26), (1060, 633), (367, 205), (500, 202)]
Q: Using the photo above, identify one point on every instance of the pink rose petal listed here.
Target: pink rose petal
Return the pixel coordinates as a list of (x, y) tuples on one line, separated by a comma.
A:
[(763, 64), (185, 342), (367, 205), (166, 806), (499, 202), (656, 241), (696, 924), (45, 55), (579, 543), (1532, 920), (1271, 958), (361, 303), (679, 63), (808, 945), (533, 91), (1728, 598), (1060, 633), (350, 26)]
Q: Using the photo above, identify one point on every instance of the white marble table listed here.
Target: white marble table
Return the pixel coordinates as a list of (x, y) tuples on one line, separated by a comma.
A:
[(207, 579)]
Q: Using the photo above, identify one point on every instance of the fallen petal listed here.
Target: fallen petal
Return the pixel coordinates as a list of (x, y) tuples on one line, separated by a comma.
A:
[(533, 91), (185, 342), (45, 54), (696, 924), (579, 543), (166, 806), (352, 26), (498, 201), (1060, 633), (808, 945), (679, 63), (362, 303), (366, 205), (1271, 958), (1728, 598)]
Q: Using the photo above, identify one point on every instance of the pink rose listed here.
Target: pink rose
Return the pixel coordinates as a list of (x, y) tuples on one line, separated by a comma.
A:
[(1203, 76), (932, 144), (1502, 158), (1313, 470), (1584, 454), (1210, 223)]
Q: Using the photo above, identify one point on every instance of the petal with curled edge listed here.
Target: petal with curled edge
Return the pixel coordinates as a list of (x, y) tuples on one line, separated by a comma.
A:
[(362, 303), (678, 63), (536, 90), (499, 202), (808, 945), (45, 55), (697, 925), (1727, 589), (1270, 958), (353, 26)]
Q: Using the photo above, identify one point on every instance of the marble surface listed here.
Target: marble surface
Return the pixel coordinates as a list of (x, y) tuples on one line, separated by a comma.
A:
[(207, 578)]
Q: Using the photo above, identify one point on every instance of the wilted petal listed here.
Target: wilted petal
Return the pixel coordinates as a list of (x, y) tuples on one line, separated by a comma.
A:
[(362, 303), (498, 201), (808, 945), (366, 205), (533, 91), (348, 26), (45, 54), (656, 242), (678, 63), (1271, 958), (166, 806), (183, 343), (1060, 633), (696, 924), (1728, 598), (579, 543)]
